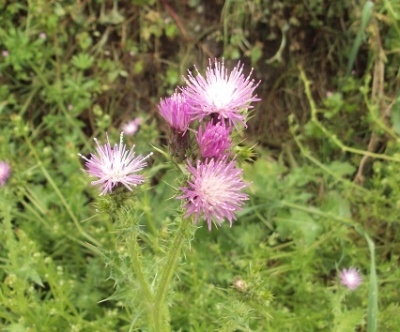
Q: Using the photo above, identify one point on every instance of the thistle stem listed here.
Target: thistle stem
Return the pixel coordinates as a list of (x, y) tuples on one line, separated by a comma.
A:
[(136, 260), (160, 317)]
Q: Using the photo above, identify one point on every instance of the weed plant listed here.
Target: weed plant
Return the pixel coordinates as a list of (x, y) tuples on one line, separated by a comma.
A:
[(320, 157)]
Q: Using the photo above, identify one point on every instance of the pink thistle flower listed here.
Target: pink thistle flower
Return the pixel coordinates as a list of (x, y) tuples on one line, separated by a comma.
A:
[(350, 278), (42, 35), (227, 94), (131, 127), (5, 53), (5, 171), (114, 166), (214, 140), (214, 191), (175, 111)]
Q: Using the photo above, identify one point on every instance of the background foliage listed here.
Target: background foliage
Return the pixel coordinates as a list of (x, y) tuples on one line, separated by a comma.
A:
[(324, 174)]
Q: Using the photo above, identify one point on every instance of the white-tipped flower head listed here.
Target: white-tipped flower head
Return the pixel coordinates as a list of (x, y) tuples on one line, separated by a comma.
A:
[(228, 95), (5, 171), (214, 191), (115, 166), (350, 278)]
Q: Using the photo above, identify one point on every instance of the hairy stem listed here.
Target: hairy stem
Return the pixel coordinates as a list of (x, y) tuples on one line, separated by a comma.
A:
[(160, 321), (137, 265)]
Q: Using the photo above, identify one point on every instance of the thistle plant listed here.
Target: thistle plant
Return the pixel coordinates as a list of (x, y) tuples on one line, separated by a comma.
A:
[(114, 166), (212, 188), (214, 191), (5, 171), (350, 278), (131, 127), (214, 140), (226, 95)]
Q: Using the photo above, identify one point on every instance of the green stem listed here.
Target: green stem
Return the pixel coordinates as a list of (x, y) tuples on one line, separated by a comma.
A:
[(136, 253), (160, 323), (315, 161), (330, 135)]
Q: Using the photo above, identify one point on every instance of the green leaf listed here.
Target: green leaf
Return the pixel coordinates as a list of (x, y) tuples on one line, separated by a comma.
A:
[(16, 327), (337, 205), (28, 272), (299, 225), (396, 116), (256, 53), (341, 168), (82, 61), (348, 321), (373, 289)]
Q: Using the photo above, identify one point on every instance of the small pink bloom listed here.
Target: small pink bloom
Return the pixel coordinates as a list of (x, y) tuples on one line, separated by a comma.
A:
[(350, 278), (5, 53), (131, 127), (114, 166), (175, 111), (42, 35), (228, 95), (214, 191), (214, 140), (5, 171)]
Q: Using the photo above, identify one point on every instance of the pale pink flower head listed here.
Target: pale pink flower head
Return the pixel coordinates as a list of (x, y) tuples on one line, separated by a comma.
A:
[(5, 171), (42, 35), (227, 94), (5, 53), (131, 127), (350, 278), (175, 110), (214, 140), (114, 166), (214, 191)]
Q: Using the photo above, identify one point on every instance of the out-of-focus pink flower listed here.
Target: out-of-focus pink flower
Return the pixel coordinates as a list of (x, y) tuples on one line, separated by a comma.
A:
[(42, 35), (228, 95), (175, 111), (131, 127), (350, 278), (214, 191), (114, 166), (214, 140), (5, 53), (5, 171)]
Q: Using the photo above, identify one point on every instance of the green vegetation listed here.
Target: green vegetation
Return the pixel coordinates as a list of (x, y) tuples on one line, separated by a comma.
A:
[(322, 152)]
